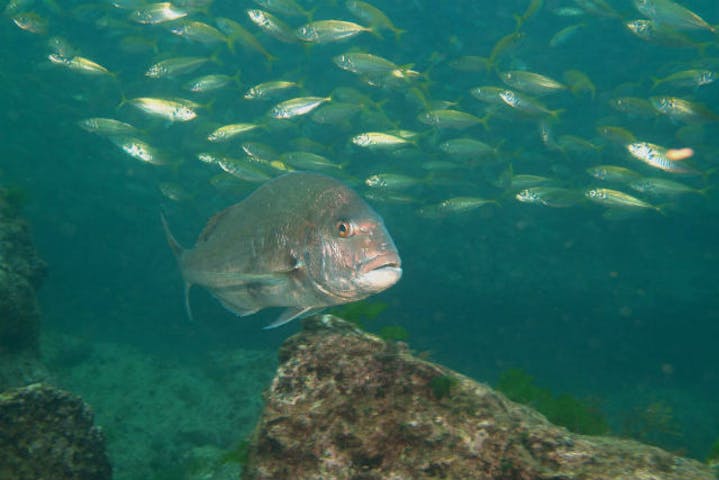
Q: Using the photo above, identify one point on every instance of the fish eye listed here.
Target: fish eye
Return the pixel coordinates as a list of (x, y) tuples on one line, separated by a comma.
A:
[(344, 229)]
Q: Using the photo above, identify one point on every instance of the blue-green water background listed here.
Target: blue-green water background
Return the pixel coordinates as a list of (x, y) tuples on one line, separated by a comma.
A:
[(585, 305)]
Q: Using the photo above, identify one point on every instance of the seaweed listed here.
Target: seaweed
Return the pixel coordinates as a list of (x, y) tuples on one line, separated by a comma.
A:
[(441, 386), (239, 453), (359, 312), (393, 333), (576, 415)]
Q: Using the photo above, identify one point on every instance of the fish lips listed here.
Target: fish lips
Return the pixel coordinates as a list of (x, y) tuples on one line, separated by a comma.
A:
[(379, 273)]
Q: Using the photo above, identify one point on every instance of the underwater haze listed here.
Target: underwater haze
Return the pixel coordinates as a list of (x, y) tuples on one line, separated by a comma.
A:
[(548, 171)]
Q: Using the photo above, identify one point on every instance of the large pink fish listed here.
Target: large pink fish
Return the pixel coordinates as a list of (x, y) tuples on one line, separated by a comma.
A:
[(303, 241)]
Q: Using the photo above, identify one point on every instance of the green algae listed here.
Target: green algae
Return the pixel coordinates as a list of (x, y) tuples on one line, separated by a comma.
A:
[(442, 385), (576, 415)]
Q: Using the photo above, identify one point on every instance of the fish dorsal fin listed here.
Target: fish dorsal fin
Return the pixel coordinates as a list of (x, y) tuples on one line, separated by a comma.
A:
[(211, 225), (290, 314)]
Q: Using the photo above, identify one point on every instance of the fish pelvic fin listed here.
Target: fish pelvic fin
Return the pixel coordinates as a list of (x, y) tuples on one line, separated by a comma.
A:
[(178, 251), (290, 314)]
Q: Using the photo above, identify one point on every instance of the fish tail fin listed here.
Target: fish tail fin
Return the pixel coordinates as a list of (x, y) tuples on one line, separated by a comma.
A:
[(398, 33), (178, 251), (374, 31)]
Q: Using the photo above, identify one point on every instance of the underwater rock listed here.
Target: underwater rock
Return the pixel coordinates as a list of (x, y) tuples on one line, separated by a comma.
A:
[(49, 433), (21, 272), (345, 404)]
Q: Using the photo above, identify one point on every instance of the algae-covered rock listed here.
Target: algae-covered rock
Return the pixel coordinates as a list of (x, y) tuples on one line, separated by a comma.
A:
[(345, 404), (21, 272), (46, 433)]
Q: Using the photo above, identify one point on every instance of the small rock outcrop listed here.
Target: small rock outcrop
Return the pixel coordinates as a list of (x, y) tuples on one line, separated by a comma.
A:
[(46, 433), (345, 404), (21, 272)]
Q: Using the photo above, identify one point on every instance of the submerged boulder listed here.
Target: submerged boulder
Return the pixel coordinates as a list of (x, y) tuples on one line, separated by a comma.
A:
[(46, 433), (21, 272), (345, 404)]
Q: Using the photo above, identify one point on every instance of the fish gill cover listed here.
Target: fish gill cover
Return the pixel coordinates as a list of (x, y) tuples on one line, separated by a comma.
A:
[(547, 169)]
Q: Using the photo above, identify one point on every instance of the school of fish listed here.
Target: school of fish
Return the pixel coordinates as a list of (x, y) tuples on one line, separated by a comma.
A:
[(248, 91)]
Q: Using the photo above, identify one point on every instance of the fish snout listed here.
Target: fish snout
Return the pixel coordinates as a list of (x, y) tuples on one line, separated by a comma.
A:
[(380, 272)]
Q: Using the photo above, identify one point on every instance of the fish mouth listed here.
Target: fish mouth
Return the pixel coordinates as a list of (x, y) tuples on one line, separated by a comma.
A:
[(380, 273), (380, 262)]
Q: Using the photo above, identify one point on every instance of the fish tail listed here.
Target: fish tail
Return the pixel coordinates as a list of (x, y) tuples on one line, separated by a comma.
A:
[(398, 32), (178, 251)]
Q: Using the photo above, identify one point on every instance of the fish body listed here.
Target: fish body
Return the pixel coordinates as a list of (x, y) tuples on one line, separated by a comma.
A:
[(526, 105), (326, 31), (580, 83), (237, 32), (173, 67), (693, 78), (656, 156), (391, 181), (449, 118), (208, 83), (228, 132), (288, 8), (454, 205), (380, 141), (335, 113), (615, 134), (154, 13), (616, 199), (613, 173), (672, 15), (172, 110), (466, 147), (679, 109), (137, 149), (373, 16), (364, 64), (488, 94), (302, 241), (242, 169), (308, 161), (79, 64), (268, 89), (31, 22), (530, 82), (106, 126), (633, 106), (650, 31), (200, 32), (295, 107), (272, 25), (548, 196), (564, 35), (662, 187)]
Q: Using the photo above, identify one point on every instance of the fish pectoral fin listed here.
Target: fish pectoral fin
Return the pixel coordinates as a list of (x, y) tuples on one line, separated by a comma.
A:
[(229, 279), (290, 314)]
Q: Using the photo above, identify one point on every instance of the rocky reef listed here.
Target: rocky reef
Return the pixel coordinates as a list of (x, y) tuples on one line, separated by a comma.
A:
[(345, 404), (48, 433), (21, 272)]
